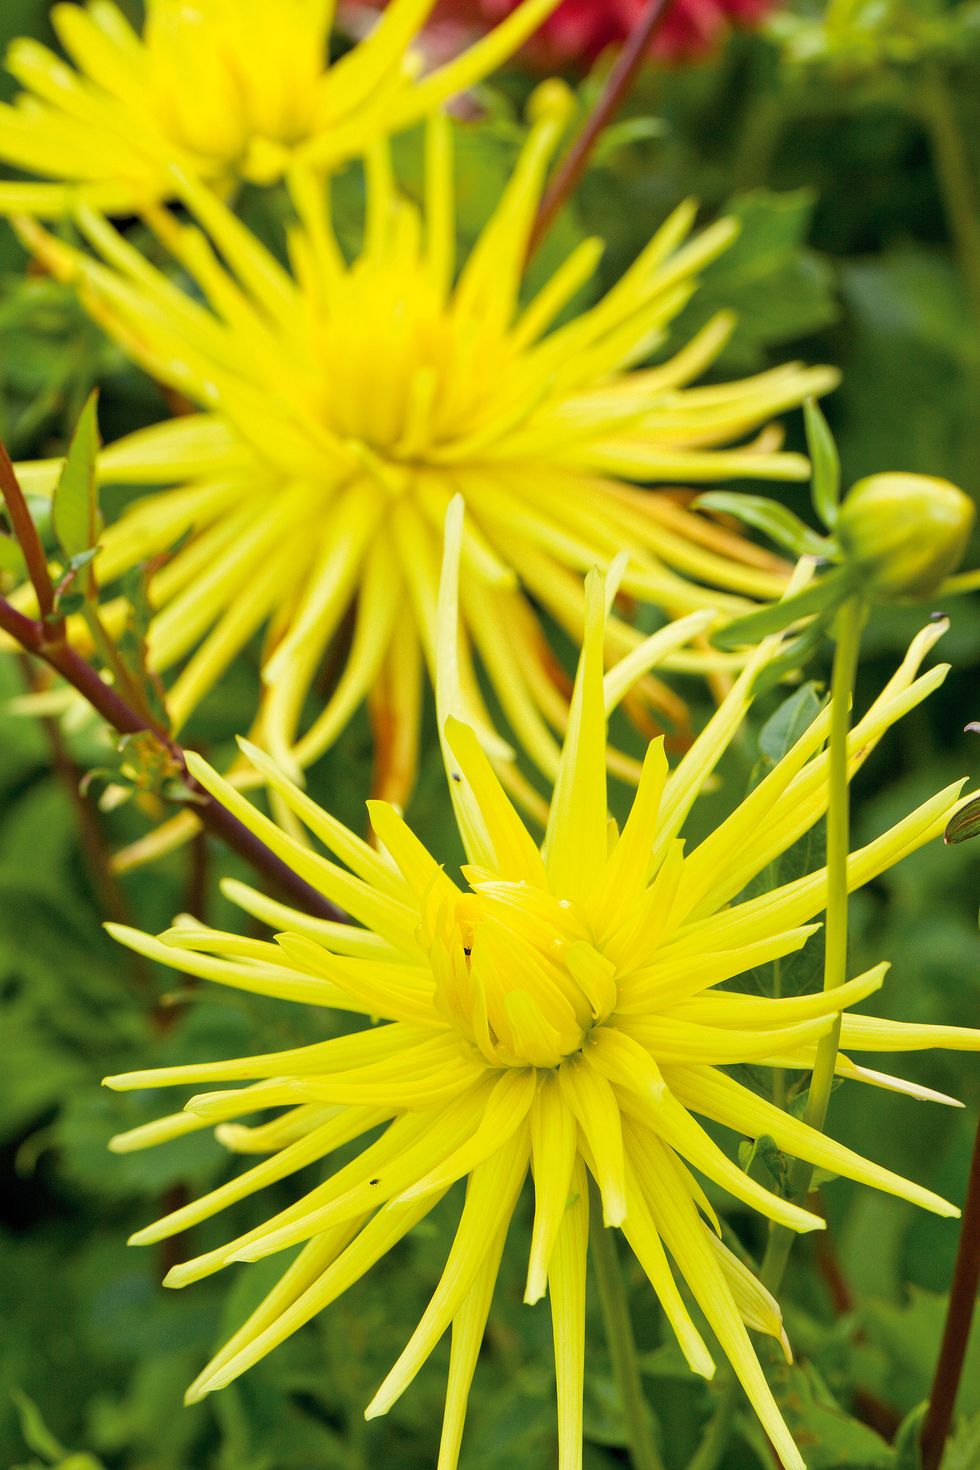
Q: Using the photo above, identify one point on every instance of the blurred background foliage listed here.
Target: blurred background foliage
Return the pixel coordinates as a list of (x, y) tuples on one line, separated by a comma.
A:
[(845, 138)]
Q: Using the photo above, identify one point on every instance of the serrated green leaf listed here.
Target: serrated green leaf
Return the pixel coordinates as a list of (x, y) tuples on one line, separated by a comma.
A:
[(74, 506), (776, 521), (829, 1436), (825, 464)]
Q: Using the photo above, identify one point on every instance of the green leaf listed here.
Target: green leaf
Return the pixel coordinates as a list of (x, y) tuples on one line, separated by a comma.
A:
[(825, 462), (37, 1435), (766, 1151), (776, 521), (785, 726), (11, 556), (906, 1338), (908, 1455), (132, 642), (75, 504), (743, 632), (829, 1437), (67, 603), (965, 825), (963, 1447), (795, 656), (777, 286)]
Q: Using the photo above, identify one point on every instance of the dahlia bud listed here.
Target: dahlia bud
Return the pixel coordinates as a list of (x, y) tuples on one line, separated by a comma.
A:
[(904, 533)]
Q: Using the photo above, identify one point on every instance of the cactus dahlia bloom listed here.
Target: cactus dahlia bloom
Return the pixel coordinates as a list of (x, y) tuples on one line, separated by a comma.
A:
[(217, 90), (344, 403), (561, 1014)]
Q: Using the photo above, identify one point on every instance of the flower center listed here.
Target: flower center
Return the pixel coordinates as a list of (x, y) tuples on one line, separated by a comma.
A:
[(517, 972)]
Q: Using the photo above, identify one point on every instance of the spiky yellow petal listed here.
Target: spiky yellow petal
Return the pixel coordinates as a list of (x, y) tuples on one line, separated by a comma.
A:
[(562, 1011)]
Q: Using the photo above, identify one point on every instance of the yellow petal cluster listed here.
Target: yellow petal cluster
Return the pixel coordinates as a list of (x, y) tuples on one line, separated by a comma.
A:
[(346, 401), (221, 90), (560, 1014)]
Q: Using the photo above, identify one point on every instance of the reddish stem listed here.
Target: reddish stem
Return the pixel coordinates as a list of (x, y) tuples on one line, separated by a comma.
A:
[(80, 674), (956, 1333), (23, 527), (610, 100)]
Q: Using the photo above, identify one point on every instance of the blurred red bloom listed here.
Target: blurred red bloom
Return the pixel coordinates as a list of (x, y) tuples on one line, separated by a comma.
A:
[(580, 30)]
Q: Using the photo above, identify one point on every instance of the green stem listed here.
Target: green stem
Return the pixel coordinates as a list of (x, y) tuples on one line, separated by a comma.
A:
[(954, 174), (956, 178), (708, 1455), (850, 621), (619, 1337)]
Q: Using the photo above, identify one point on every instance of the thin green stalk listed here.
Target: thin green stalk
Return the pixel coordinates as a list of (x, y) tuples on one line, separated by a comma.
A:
[(850, 621), (955, 176), (619, 1337), (708, 1455)]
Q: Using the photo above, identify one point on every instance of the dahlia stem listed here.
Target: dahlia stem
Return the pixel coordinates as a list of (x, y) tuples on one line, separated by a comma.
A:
[(620, 1339), (708, 1455), (954, 174), (25, 532), (961, 206), (121, 717), (618, 86), (850, 620), (45, 639), (956, 1333)]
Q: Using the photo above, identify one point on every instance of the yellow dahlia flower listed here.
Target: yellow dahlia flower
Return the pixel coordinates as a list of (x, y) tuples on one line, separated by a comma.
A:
[(346, 402), (561, 1013), (217, 90)]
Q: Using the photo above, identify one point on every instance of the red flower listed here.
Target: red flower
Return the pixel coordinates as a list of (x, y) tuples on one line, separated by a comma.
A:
[(579, 30)]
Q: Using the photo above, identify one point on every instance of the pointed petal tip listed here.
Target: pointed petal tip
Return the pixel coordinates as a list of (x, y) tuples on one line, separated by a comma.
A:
[(536, 1289), (207, 1382), (195, 762), (146, 1236), (704, 1365), (614, 1214)]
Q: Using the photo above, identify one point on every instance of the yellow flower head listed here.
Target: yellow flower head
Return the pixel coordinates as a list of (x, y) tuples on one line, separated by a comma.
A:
[(217, 90), (346, 402), (561, 1013)]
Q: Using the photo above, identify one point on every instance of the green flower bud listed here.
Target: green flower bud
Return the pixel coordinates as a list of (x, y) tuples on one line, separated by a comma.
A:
[(904, 534)]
